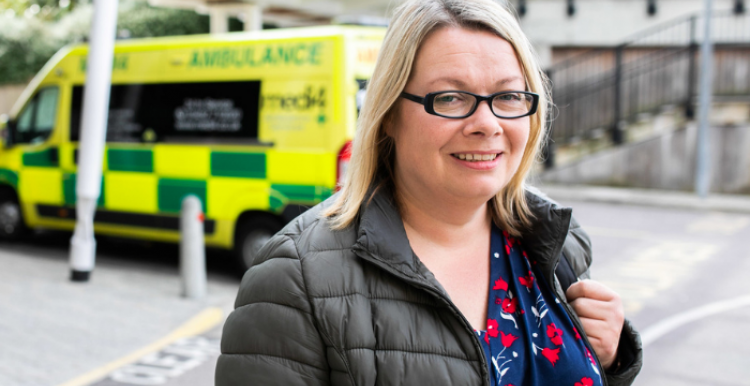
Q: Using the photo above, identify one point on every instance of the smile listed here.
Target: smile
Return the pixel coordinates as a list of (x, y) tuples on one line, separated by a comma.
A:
[(475, 157)]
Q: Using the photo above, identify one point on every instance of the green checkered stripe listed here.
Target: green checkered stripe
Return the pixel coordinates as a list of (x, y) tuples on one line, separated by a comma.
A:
[(171, 191), (223, 164), (283, 194), (9, 177), (69, 190), (43, 158)]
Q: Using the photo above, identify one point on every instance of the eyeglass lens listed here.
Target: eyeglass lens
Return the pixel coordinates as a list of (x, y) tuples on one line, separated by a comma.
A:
[(458, 104)]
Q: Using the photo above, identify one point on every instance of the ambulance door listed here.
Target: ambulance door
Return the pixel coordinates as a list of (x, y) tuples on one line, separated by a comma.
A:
[(30, 137)]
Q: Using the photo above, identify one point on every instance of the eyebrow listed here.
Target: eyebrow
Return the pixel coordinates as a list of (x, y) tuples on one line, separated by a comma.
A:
[(461, 84)]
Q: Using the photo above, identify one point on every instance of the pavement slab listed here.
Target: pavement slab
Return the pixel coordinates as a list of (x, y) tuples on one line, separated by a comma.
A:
[(733, 203), (54, 330)]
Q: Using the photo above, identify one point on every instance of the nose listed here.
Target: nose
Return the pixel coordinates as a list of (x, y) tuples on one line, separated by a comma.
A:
[(483, 122)]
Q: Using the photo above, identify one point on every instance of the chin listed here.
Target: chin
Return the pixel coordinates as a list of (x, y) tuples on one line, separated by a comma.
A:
[(478, 191)]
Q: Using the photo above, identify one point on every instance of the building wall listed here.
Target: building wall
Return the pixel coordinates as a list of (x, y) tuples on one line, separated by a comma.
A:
[(598, 23), (666, 161)]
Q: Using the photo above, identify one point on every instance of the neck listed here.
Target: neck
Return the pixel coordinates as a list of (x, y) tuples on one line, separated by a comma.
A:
[(444, 222)]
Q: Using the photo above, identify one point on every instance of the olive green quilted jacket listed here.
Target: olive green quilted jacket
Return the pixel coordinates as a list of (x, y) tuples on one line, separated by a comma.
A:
[(357, 307)]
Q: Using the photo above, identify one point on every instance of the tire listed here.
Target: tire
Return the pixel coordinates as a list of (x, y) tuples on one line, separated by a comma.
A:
[(251, 235), (12, 226)]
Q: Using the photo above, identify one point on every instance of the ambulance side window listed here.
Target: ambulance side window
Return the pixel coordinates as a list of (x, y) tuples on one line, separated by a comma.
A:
[(37, 120), (177, 112), (26, 120)]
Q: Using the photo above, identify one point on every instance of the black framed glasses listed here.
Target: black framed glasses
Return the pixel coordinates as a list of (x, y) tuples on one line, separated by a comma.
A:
[(461, 104)]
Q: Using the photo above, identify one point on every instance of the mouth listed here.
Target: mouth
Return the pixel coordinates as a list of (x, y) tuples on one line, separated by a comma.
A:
[(474, 157)]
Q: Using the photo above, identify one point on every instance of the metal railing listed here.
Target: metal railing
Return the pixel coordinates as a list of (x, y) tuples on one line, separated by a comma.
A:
[(596, 93)]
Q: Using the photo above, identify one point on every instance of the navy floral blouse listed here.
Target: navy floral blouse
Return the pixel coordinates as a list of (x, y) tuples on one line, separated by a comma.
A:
[(530, 339)]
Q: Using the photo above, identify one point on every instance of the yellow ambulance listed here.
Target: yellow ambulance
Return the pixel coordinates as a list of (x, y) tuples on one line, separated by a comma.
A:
[(257, 125)]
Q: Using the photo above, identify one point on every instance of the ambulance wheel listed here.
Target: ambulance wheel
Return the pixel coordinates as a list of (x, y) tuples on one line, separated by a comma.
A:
[(251, 235), (12, 226)]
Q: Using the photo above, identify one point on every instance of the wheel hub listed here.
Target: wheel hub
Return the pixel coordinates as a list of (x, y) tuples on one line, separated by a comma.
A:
[(10, 215)]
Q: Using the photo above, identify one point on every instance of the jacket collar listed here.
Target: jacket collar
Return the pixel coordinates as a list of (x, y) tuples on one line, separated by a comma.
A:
[(544, 241), (381, 237)]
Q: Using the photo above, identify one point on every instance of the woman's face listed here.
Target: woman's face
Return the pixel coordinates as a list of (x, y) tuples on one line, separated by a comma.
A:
[(429, 148)]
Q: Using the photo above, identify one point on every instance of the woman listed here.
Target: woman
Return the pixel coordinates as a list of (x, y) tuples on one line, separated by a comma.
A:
[(434, 265)]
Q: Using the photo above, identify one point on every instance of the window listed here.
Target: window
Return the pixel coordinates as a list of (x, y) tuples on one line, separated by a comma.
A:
[(177, 112), (37, 120)]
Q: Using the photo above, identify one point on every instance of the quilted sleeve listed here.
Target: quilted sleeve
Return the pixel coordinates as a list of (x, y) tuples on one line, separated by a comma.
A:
[(578, 247), (629, 358), (270, 338)]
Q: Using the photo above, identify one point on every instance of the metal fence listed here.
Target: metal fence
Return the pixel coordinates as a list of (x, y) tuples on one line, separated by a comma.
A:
[(596, 93)]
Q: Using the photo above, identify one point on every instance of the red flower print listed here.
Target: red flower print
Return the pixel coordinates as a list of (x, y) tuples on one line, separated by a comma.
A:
[(527, 281), (507, 249), (509, 305), (555, 334), (578, 336), (492, 328), (500, 284), (551, 354), (508, 339), (585, 382)]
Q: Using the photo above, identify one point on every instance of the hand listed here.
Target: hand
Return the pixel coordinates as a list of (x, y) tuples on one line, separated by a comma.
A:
[(602, 317)]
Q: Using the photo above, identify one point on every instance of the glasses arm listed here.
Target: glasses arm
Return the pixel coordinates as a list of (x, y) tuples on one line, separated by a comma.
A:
[(413, 98)]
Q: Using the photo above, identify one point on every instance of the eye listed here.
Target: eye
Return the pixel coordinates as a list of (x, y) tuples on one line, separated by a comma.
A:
[(511, 97), (448, 98)]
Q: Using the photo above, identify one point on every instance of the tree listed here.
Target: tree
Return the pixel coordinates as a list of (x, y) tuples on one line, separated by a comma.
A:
[(28, 41), (40, 9)]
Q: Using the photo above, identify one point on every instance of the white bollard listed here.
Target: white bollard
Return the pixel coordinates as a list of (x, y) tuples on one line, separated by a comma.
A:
[(83, 243), (93, 135), (192, 249)]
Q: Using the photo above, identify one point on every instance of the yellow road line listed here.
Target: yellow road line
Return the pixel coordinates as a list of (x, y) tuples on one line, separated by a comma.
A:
[(199, 324)]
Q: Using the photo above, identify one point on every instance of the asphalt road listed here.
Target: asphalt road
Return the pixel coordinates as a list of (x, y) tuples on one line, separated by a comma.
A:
[(683, 277), (682, 274)]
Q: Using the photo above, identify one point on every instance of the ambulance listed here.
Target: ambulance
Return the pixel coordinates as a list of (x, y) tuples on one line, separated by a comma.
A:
[(257, 125)]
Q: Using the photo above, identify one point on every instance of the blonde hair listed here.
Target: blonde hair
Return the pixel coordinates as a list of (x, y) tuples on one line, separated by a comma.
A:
[(372, 149)]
